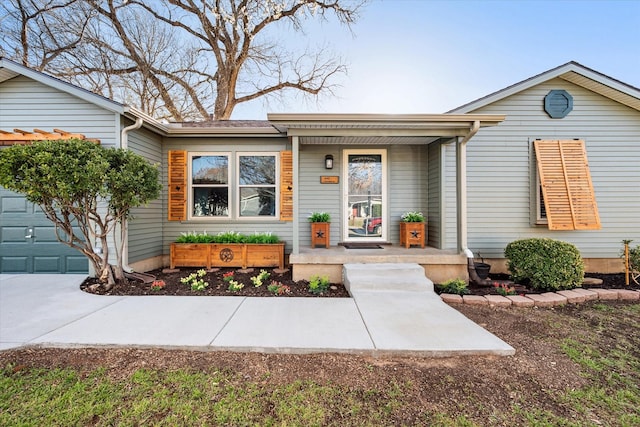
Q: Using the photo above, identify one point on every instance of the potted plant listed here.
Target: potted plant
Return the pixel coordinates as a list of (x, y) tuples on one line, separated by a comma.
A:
[(412, 231), (320, 229)]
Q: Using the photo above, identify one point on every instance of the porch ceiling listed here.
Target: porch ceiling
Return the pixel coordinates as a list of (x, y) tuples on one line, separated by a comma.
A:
[(379, 128)]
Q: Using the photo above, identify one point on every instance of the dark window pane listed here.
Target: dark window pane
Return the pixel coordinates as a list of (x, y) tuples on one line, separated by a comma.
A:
[(256, 170), (257, 201), (210, 169), (210, 201)]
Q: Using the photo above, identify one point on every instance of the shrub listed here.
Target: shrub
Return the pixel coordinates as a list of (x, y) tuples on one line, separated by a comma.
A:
[(454, 286), (319, 285), (412, 217), (319, 217), (228, 237), (546, 264)]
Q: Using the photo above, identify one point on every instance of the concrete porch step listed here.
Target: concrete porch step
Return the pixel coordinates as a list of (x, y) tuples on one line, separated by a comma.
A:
[(386, 277)]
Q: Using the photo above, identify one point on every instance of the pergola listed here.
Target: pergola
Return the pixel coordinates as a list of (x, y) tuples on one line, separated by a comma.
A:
[(23, 137)]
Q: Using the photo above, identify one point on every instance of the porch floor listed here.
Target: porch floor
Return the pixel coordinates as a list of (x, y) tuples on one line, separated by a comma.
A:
[(439, 264)]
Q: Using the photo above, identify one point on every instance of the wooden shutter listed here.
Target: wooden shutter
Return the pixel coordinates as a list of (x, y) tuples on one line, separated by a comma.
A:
[(286, 185), (177, 185), (565, 179)]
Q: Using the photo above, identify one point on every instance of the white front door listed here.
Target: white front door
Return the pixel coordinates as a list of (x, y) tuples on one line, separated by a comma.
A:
[(365, 195)]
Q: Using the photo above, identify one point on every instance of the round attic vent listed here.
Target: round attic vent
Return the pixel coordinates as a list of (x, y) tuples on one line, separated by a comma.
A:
[(558, 103)]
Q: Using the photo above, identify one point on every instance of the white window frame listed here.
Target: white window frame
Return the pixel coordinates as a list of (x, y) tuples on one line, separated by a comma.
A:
[(190, 186), (275, 185)]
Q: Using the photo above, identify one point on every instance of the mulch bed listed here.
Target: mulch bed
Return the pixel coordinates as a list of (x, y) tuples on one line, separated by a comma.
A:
[(609, 281), (218, 287)]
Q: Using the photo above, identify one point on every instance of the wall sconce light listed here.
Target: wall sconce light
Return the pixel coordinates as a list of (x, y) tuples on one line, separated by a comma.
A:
[(328, 161)]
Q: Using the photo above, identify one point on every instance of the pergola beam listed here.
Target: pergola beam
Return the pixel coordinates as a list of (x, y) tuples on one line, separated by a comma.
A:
[(19, 136)]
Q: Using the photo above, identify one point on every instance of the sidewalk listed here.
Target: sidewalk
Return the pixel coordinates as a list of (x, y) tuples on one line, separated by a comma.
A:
[(51, 310)]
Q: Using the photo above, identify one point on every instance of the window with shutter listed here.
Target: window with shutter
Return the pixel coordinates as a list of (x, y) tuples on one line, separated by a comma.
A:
[(567, 190)]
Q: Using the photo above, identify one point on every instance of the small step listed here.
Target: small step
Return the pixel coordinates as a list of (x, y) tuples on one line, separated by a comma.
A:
[(386, 277)]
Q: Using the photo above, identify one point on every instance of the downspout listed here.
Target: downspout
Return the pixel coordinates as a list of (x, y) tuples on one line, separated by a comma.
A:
[(461, 154), (124, 144)]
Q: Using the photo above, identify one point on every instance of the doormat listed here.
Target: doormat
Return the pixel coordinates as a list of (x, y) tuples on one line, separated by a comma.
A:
[(361, 246)]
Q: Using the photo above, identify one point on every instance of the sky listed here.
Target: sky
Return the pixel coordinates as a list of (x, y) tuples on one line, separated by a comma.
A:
[(429, 56)]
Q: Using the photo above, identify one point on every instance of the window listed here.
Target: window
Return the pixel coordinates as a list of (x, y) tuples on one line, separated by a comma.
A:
[(257, 185), (566, 195), (222, 188)]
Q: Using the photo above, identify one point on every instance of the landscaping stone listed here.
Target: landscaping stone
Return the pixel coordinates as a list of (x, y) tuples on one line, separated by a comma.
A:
[(592, 281), (520, 301), (572, 296), (451, 298), (588, 294), (606, 294), (541, 300), (628, 295), (498, 300), (475, 300), (557, 299)]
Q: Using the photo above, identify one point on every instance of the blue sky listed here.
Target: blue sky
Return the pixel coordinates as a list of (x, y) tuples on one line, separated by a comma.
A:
[(427, 56)]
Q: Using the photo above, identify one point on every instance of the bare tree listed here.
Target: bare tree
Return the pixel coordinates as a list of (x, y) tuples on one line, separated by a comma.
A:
[(179, 59)]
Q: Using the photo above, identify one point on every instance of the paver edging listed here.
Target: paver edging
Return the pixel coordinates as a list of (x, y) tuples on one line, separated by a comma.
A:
[(547, 299)]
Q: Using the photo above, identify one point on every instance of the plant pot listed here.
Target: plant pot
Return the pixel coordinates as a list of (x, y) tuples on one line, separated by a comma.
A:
[(320, 234), (412, 233), (482, 269)]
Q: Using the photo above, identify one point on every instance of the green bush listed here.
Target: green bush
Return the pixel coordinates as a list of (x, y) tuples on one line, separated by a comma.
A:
[(453, 286), (545, 264), (228, 237), (319, 285)]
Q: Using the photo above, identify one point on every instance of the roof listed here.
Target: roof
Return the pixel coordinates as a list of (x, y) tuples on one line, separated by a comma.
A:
[(572, 72), (379, 128)]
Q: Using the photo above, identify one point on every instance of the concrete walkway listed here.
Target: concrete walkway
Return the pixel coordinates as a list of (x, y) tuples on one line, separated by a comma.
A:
[(51, 310)]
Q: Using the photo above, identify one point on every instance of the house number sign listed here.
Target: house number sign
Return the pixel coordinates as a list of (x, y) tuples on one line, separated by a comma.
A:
[(329, 180)]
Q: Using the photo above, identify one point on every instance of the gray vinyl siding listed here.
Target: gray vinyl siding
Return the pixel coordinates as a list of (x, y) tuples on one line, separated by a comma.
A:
[(172, 229), (316, 197), (145, 237), (407, 186), (27, 104), (501, 170), (434, 202)]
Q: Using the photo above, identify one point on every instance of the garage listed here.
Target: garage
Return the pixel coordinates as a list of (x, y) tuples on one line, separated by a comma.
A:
[(28, 241)]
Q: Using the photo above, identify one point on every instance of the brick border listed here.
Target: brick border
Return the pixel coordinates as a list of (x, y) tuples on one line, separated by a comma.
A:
[(547, 299)]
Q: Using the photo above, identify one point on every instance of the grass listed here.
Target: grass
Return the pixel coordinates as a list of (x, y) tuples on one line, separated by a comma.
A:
[(606, 354)]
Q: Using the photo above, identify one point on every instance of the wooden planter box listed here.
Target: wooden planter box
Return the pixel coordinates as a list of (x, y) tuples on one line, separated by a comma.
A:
[(190, 255), (412, 233), (320, 234), (227, 255)]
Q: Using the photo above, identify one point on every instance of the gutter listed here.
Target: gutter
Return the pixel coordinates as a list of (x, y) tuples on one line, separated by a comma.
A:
[(124, 144)]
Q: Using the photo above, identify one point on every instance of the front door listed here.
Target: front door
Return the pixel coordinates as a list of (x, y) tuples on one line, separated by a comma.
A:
[(365, 195)]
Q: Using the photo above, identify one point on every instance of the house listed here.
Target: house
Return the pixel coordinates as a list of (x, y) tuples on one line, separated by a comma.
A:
[(472, 171)]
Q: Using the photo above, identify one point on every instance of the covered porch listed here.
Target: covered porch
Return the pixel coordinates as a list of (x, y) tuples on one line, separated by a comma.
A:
[(380, 167)]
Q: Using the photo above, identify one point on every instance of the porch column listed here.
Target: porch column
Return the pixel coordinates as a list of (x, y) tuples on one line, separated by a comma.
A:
[(461, 193), (295, 148), (461, 186)]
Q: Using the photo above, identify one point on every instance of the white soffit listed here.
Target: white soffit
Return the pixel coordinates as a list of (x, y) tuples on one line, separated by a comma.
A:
[(602, 89)]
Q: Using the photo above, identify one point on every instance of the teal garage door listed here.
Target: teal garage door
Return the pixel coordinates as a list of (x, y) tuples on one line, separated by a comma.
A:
[(28, 242)]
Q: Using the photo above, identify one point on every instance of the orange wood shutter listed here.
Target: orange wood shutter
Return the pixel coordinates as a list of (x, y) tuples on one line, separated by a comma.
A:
[(286, 185), (177, 185), (565, 179)]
